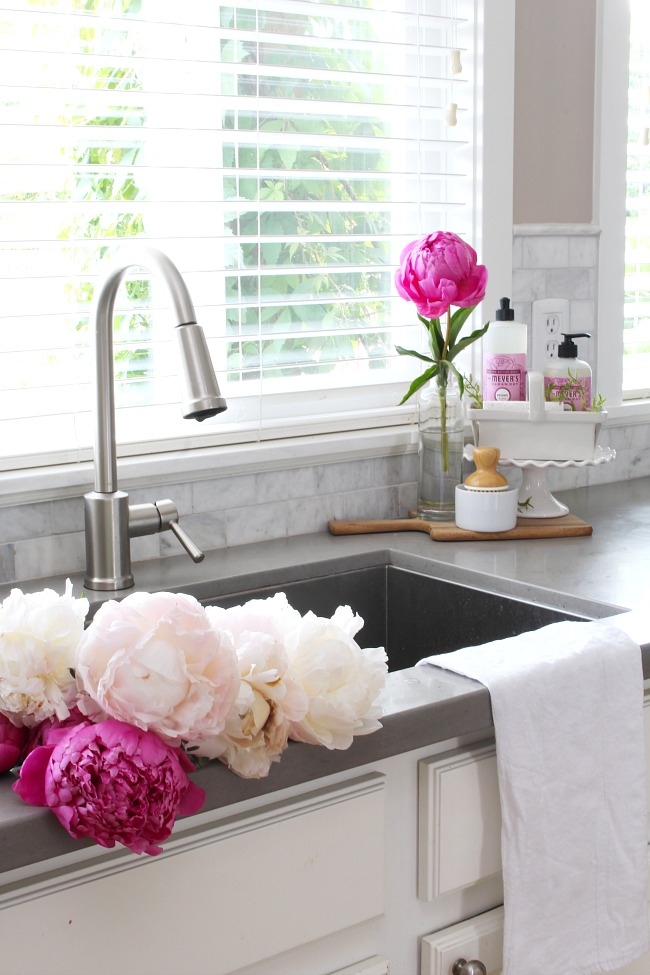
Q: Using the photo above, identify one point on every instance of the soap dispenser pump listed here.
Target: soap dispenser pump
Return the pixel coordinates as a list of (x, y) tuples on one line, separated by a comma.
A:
[(567, 379), (504, 357)]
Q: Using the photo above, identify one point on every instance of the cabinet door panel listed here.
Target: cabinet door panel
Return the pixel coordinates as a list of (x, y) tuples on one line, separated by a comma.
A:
[(459, 820)]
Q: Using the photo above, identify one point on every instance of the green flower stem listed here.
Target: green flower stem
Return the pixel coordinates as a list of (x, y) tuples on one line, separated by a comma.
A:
[(443, 377)]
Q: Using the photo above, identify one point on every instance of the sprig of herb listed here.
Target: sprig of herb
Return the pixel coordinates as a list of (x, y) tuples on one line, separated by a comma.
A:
[(473, 390)]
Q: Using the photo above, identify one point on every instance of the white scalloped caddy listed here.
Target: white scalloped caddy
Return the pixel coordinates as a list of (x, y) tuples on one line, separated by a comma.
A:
[(535, 429)]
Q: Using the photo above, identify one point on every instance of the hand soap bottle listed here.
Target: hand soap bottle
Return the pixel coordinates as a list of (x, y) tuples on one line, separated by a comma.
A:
[(504, 357), (567, 379)]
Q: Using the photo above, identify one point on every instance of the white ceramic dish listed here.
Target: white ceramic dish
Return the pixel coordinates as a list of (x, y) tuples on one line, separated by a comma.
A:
[(486, 511)]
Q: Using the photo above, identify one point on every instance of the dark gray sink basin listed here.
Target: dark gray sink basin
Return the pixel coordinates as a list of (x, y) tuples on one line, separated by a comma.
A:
[(409, 614)]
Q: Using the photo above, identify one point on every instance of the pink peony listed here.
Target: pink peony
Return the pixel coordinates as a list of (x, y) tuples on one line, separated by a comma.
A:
[(12, 741), (154, 660), (111, 782), (440, 270)]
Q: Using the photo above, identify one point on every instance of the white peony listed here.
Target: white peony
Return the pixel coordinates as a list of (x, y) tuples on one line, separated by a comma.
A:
[(342, 682), (154, 661), (39, 635), (269, 699)]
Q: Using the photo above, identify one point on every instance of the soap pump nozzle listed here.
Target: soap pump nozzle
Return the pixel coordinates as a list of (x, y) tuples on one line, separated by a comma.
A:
[(568, 349)]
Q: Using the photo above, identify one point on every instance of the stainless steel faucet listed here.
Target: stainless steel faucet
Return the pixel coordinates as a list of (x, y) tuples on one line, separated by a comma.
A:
[(110, 520)]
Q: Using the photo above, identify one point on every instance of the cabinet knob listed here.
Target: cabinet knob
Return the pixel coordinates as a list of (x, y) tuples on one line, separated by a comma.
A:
[(462, 967)]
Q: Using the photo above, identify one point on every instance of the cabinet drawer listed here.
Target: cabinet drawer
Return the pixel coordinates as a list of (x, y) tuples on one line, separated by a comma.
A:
[(477, 939), (222, 896), (459, 820)]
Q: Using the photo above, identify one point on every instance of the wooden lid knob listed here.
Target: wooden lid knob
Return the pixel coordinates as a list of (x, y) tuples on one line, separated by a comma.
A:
[(486, 474)]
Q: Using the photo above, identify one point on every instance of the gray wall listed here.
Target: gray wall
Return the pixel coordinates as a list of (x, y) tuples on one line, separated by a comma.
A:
[(555, 52)]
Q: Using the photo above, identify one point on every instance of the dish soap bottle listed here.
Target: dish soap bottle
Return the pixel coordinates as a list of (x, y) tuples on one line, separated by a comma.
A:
[(567, 379), (504, 357)]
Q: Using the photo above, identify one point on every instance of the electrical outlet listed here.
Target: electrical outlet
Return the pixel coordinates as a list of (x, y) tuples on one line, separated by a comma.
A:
[(550, 320)]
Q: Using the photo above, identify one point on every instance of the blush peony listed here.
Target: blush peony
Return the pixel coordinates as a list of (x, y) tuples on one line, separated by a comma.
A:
[(39, 635), (154, 660), (112, 783), (440, 270), (342, 682), (269, 698)]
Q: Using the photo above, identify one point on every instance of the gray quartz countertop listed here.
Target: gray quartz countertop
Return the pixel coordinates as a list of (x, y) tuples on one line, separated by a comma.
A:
[(595, 576)]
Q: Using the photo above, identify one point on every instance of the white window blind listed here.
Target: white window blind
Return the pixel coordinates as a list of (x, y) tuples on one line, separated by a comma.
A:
[(281, 152), (636, 357)]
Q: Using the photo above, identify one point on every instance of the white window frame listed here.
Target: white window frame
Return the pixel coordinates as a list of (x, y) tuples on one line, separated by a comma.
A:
[(610, 165), (185, 462)]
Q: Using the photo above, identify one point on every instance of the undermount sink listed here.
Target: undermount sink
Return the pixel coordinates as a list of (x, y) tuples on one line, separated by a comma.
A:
[(410, 614)]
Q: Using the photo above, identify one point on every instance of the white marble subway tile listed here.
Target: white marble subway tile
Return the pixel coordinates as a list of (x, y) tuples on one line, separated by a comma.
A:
[(543, 252), (285, 484), (257, 523), (517, 252), (25, 521), (395, 469), (219, 493), (528, 286), (523, 311), (7, 563), (67, 515), (407, 498), (58, 555), (583, 251), (570, 283), (312, 514), (372, 503), (582, 314), (347, 476)]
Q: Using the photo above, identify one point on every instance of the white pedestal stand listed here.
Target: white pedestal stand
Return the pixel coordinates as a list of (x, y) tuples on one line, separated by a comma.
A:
[(535, 499)]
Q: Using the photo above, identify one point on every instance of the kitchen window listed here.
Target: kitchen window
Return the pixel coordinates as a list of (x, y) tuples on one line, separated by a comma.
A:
[(281, 152), (622, 180)]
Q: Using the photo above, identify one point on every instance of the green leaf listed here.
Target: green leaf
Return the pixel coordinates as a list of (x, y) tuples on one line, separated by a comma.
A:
[(420, 381), (463, 343), (416, 355), (458, 319)]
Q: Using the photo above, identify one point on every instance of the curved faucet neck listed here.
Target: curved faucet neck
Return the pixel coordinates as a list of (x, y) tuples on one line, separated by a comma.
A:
[(184, 313)]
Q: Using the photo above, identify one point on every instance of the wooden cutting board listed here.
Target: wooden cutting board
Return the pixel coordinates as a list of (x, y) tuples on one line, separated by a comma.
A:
[(447, 531)]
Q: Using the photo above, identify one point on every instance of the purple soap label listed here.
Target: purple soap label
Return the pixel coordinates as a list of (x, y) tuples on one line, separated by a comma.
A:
[(574, 394), (504, 377)]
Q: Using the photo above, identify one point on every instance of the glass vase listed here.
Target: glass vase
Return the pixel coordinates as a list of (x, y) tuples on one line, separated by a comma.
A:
[(441, 429)]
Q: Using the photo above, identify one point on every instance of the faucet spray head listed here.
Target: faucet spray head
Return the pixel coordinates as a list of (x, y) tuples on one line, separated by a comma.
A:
[(203, 398)]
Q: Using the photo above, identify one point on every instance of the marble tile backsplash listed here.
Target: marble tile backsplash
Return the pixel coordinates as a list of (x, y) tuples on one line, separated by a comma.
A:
[(47, 539)]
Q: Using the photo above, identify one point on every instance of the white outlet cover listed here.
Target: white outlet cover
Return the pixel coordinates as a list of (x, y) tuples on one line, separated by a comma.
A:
[(542, 308)]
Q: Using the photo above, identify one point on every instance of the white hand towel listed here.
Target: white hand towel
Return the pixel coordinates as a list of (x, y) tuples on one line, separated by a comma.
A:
[(567, 704)]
